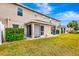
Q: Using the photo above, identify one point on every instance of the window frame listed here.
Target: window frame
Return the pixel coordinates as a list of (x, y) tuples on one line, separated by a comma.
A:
[(17, 11), (53, 29), (41, 31), (14, 25)]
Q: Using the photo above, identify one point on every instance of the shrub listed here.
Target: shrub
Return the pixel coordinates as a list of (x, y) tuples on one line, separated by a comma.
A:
[(13, 34), (62, 31), (74, 32), (57, 31)]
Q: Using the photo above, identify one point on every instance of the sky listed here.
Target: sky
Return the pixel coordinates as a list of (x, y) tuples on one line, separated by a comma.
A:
[(65, 12)]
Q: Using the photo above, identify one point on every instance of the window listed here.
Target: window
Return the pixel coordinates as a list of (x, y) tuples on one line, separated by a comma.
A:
[(15, 26), (64, 30), (42, 30), (19, 11), (53, 30), (34, 15), (50, 21)]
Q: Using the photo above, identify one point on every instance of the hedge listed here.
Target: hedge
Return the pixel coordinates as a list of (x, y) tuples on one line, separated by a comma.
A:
[(62, 31), (53, 32), (74, 32), (13, 34), (57, 31)]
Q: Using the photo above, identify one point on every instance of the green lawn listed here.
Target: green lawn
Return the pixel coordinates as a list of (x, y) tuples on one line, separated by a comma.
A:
[(65, 44)]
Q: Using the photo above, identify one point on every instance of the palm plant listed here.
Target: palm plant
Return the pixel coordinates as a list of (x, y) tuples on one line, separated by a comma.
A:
[(73, 25)]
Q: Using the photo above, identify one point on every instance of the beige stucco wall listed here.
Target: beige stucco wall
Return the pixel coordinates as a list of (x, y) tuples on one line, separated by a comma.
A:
[(10, 11), (55, 22), (47, 30), (8, 16)]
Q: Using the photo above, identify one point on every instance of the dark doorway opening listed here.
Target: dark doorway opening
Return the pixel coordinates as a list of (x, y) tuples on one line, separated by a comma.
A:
[(29, 32)]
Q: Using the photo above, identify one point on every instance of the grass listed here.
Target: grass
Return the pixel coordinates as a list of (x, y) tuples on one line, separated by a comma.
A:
[(63, 45)]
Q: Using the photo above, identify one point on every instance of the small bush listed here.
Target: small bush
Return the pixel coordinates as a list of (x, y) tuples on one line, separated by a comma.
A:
[(62, 31), (74, 32), (13, 34), (57, 31)]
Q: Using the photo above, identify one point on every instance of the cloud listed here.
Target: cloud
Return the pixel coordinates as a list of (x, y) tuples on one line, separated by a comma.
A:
[(44, 8), (68, 15)]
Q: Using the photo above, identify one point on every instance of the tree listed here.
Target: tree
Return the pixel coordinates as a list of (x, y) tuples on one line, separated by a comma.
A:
[(73, 25)]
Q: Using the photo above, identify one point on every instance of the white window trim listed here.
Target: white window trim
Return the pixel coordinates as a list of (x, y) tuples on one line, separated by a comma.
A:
[(17, 9)]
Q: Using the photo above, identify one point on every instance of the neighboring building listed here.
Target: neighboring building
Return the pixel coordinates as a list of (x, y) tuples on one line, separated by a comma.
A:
[(34, 23)]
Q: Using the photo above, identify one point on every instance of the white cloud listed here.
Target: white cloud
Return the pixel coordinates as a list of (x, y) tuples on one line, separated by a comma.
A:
[(69, 15), (44, 8)]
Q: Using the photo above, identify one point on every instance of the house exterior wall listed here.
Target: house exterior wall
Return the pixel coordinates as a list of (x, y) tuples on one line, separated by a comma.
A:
[(8, 16), (9, 11), (37, 30), (47, 30)]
